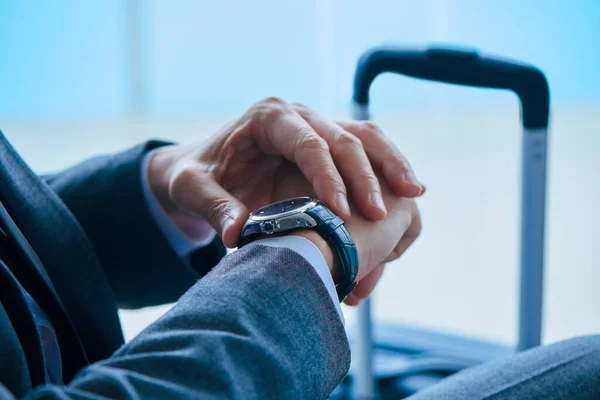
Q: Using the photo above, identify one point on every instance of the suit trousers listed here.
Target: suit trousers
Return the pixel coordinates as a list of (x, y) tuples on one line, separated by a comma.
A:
[(565, 370)]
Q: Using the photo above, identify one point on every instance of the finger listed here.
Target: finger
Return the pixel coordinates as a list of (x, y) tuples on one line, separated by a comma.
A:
[(352, 300), (367, 284), (196, 192), (409, 237), (281, 130), (386, 157), (352, 162), (365, 287)]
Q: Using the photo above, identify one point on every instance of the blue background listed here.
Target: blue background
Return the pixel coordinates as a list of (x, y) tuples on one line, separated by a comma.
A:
[(67, 58)]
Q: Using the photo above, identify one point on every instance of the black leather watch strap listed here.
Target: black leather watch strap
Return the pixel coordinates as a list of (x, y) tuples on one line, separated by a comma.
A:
[(332, 229)]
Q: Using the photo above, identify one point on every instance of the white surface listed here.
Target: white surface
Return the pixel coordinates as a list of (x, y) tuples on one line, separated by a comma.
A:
[(461, 275)]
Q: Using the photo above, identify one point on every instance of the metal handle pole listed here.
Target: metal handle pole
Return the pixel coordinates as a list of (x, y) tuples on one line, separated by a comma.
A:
[(363, 384), (532, 237)]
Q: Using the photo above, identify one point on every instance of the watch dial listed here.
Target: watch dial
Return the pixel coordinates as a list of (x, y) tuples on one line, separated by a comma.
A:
[(282, 206)]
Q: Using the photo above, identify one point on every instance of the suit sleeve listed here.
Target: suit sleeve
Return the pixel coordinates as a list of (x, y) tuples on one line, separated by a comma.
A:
[(106, 196), (260, 325)]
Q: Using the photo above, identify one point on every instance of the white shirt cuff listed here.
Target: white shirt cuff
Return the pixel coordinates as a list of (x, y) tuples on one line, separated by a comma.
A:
[(204, 234), (313, 255)]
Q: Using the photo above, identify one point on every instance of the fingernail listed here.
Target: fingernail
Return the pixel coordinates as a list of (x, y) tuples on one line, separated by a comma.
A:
[(376, 200), (410, 178), (342, 204)]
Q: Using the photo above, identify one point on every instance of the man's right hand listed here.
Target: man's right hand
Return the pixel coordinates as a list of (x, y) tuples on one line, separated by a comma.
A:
[(377, 242), (221, 180)]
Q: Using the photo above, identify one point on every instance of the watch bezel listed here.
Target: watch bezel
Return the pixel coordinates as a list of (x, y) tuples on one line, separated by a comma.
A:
[(283, 222), (258, 218)]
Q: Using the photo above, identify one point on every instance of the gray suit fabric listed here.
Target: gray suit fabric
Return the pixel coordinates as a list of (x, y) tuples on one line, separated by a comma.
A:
[(261, 325), (565, 370)]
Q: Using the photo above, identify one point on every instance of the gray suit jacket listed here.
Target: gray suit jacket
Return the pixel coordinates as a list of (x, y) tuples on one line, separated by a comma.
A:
[(260, 324)]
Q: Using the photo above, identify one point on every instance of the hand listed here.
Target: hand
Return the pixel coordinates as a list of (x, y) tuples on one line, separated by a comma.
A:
[(377, 242), (235, 171)]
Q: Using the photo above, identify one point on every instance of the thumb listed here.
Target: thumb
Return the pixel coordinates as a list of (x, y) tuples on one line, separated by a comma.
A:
[(200, 194)]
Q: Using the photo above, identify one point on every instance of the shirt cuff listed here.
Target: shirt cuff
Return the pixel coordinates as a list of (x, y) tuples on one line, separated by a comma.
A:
[(313, 255), (183, 245)]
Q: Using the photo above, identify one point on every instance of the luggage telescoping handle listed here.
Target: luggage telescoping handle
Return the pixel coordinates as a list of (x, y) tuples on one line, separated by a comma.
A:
[(469, 68), (459, 67)]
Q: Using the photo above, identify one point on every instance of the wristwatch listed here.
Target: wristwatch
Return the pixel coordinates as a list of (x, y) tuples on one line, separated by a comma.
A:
[(307, 213)]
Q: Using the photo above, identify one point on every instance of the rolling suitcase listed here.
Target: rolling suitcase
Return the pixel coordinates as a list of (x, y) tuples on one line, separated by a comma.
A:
[(397, 361)]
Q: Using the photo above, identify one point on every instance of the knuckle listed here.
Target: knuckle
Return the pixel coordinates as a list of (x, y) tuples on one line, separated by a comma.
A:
[(352, 125), (273, 100), (300, 107), (268, 110), (217, 208), (345, 139), (180, 183), (308, 140), (370, 127), (395, 162), (273, 112)]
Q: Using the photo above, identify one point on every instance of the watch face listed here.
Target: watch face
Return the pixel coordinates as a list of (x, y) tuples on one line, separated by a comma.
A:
[(283, 206)]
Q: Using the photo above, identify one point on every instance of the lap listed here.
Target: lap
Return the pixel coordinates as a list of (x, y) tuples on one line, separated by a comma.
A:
[(565, 370)]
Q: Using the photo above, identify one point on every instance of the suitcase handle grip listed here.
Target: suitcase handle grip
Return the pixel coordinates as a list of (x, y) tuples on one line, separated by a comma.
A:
[(461, 67)]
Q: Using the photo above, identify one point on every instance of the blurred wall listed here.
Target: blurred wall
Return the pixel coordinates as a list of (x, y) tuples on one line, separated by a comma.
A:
[(69, 58)]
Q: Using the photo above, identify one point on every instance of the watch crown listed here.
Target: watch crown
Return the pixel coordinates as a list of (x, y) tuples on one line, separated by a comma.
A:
[(268, 227)]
